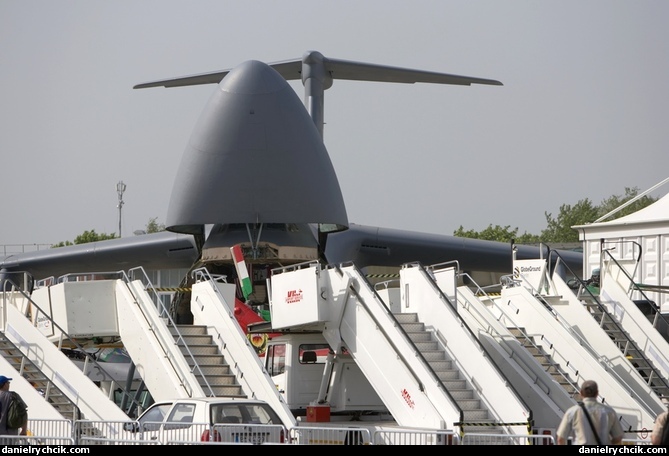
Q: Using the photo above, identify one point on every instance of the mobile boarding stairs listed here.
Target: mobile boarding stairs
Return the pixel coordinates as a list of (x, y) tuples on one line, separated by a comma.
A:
[(420, 357), (212, 357), (584, 339)]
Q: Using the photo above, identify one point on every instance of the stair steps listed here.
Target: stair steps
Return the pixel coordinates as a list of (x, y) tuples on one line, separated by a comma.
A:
[(28, 370), (476, 417), (615, 330), (206, 361)]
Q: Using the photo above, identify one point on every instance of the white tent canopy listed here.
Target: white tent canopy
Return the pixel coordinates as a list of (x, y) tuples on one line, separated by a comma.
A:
[(643, 234), (651, 220)]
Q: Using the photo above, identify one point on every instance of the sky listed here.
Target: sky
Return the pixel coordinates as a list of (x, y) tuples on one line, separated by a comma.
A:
[(583, 111)]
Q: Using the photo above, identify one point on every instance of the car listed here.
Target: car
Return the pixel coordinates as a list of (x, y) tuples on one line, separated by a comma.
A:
[(213, 419)]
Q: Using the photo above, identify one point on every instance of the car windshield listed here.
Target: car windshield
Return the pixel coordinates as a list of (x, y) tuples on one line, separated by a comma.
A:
[(151, 419), (243, 413)]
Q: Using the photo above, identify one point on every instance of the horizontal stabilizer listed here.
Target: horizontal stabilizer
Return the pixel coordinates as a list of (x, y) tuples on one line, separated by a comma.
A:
[(337, 69)]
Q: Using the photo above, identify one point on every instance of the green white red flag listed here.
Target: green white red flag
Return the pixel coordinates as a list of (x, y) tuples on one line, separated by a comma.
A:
[(242, 272)]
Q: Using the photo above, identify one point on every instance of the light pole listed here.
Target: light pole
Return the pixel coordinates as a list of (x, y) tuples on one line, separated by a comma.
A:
[(120, 188)]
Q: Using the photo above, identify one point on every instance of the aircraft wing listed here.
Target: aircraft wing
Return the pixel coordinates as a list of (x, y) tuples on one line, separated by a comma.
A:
[(163, 250), (377, 246), (361, 244)]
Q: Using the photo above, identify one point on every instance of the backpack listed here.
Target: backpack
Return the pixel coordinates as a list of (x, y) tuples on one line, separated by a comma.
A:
[(17, 411)]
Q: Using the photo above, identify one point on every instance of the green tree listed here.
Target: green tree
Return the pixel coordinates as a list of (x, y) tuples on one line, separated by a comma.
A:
[(86, 237), (497, 233), (559, 229), (583, 212), (153, 226), (62, 244), (615, 201), (527, 238), (91, 236)]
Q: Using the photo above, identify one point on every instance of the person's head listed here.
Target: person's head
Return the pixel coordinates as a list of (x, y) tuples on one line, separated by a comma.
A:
[(665, 400), (4, 382), (589, 389)]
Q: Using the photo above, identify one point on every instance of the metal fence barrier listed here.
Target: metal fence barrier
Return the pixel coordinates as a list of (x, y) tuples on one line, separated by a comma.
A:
[(415, 437), (87, 432), (505, 439), (323, 435)]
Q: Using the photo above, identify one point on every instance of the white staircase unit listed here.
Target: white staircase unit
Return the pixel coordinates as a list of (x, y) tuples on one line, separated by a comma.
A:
[(86, 395), (213, 305), (340, 302), (613, 295), (525, 311), (359, 320), (157, 356), (151, 346), (420, 294), (547, 398), (588, 331)]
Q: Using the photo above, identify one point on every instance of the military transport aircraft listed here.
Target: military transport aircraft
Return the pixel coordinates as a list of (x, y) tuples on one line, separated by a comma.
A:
[(256, 173)]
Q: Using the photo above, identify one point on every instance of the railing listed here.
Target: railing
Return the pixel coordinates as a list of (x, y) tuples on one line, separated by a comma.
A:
[(416, 352), (483, 323), (164, 340), (323, 435), (84, 432), (497, 439), (429, 273), (10, 249), (639, 288), (556, 358), (415, 437), (584, 290), (203, 275)]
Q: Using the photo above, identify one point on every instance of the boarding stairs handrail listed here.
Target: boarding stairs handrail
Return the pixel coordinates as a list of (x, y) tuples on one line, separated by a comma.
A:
[(203, 275), (478, 316), (390, 315), (140, 274), (554, 357), (605, 361), (602, 361), (636, 287), (386, 285), (428, 274), (585, 294), (338, 268)]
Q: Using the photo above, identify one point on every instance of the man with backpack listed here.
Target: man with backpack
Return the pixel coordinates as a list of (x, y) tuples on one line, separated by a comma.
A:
[(6, 398), (590, 422)]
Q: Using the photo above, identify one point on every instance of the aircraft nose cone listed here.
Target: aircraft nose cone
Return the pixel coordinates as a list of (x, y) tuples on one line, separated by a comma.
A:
[(255, 156)]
